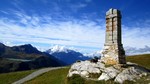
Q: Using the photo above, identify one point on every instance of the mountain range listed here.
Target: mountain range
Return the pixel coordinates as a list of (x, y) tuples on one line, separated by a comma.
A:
[(66, 55), (25, 57)]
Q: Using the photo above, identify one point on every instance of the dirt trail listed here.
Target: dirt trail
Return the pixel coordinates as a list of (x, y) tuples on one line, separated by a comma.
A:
[(35, 74)]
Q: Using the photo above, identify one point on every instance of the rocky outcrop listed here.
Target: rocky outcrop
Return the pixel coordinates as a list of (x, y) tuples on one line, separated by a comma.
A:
[(84, 68), (132, 73), (118, 73)]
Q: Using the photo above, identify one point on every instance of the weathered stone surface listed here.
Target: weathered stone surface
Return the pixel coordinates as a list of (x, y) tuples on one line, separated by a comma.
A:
[(85, 74), (86, 67), (104, 76), (131, 72), (109, 73), (113, 52)]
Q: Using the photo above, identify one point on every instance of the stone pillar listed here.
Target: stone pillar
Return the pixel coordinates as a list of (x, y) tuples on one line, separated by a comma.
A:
[(113, 52)]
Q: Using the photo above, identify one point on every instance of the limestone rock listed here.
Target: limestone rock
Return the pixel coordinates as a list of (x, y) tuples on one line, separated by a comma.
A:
[(133, 73), (84, 74), (109, 73), (104, 76), (84, 68), (119, 74)]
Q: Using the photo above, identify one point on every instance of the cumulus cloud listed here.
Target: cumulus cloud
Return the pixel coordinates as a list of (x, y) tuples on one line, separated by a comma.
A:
[(72, 32), (84, 34), (78, 6), (134, 50), (136, 36)]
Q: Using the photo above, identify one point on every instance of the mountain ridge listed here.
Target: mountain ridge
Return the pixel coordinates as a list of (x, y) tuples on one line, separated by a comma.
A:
[(66, 55), (36, 58)]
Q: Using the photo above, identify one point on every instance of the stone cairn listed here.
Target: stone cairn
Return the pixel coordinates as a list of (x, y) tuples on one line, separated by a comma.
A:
[(112, 65)]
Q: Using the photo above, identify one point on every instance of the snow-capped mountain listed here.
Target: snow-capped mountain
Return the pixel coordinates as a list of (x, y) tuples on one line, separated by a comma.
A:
[(58, 49), (95, 54), (66, 55)]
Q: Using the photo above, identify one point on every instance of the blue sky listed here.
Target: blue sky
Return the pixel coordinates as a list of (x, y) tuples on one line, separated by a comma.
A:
[(78, 24)]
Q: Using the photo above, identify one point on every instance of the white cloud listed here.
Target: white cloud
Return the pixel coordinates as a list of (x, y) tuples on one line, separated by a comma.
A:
[(72, 33), (77, 6), (135, 51), (4, 12), (136, 36), (88, 35)]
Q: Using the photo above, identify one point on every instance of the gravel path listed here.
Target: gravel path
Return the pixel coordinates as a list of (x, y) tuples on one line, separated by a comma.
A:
[(35, 74)]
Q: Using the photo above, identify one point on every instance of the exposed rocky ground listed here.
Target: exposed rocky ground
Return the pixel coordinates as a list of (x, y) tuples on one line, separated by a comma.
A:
[(100, 71)]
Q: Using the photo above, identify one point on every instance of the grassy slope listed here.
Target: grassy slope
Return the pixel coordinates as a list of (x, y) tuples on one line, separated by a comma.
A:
[(52, 77), (143, 60), (7, 78)]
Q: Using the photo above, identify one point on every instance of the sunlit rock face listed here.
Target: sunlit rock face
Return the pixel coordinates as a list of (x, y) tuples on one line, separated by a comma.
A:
[(113, 52), (100, 71), (84, 68)]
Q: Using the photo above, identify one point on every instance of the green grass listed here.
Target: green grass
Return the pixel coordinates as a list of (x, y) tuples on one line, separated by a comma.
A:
[(8, 78), (143, 60), (52, 77)]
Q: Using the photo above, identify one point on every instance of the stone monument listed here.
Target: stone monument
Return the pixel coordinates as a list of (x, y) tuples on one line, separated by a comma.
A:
[(114, 56), (113, 52)]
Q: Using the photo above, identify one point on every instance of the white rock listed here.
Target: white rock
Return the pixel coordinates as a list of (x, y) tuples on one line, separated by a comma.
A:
[(124, 75), (112, 72), (84, 74), (131, 74), (93, 70), (100, 65), (72, 73), (104, 76), (115, 72), (109, 73), (84, 68)]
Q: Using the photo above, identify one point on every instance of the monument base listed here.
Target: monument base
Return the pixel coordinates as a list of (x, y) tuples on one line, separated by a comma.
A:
[(113, 54)]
